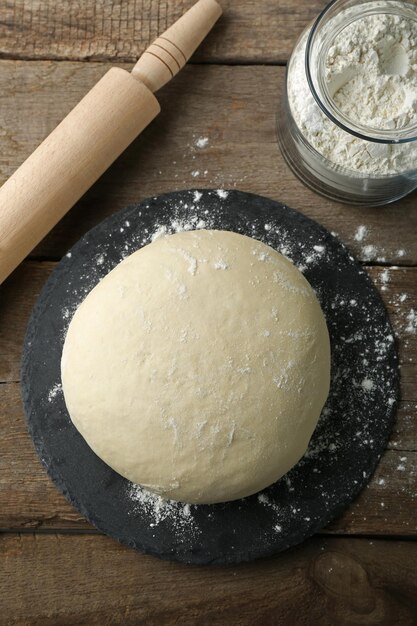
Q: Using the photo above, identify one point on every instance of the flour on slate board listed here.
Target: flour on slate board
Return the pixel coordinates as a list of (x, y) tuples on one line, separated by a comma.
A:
[(54, 392), (179, 515), (366, 385)]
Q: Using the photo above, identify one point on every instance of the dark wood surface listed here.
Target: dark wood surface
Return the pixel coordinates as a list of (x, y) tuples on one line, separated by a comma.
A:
[(96, 582), (54, 567), (260, 31)]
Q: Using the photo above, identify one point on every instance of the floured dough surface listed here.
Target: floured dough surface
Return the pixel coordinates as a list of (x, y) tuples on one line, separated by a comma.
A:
[(199, 366)]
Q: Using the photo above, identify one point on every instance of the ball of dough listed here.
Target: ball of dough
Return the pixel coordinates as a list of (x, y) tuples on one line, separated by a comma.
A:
[(199, 366)]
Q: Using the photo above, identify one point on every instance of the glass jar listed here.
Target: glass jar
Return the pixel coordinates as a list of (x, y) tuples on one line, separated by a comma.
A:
[(336, 154)]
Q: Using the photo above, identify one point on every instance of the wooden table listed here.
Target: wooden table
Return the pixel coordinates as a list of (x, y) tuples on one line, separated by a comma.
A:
[(54, 567)]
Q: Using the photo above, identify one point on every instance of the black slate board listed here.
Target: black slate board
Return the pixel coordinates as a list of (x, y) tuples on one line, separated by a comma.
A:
[(345, 448)]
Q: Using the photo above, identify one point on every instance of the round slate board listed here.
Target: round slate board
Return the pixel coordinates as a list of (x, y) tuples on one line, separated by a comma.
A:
[(345, 448)]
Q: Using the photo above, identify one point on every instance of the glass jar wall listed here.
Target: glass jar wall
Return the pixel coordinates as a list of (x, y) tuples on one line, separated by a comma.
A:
[(367, 154)]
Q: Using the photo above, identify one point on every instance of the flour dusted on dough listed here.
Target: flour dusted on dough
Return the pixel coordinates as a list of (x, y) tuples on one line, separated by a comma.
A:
[(196, 352)]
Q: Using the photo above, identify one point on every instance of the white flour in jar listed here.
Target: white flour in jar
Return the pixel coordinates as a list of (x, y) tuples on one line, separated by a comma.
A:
[(371, 73)]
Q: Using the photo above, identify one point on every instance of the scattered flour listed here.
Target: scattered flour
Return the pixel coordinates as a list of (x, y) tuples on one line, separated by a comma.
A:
[(202, 142), (369, 252), (161, 231), (385, 278), (54, 392), (192, 262), (221, 265), (361, 233), (263, 499), (412, 322), (178, 515), (178, 226), (367, 384)]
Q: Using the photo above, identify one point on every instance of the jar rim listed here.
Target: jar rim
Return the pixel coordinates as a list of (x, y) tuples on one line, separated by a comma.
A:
[(383, 136)]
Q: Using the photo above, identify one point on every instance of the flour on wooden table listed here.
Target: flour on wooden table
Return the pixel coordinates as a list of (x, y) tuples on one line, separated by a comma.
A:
[(411, 322), (202, 142), (361, 233), (384, 278)]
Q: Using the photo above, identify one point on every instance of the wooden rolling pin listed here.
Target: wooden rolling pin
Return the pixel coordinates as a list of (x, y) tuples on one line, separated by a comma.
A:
[(91, 137)]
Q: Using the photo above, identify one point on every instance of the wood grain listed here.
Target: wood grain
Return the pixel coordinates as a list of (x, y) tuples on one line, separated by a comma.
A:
[(218, 102), (64, 579), (28, 498), (17, 297), (263, 31), (52, 579)]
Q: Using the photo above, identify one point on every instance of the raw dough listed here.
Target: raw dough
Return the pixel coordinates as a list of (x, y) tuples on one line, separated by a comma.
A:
[(199, 366)]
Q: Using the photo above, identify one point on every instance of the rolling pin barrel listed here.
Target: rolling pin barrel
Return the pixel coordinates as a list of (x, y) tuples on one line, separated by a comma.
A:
[(91, 137), (69, 161)]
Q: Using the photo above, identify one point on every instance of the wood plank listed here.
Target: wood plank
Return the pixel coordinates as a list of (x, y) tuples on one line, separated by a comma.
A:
[(28, 498), (64, 579), (387, 506), (404, 435), (217, 102), (262, 31), (17, 297)]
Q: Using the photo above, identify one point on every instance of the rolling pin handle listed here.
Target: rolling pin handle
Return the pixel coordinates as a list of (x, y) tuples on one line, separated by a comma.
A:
[(168, 54)]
